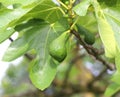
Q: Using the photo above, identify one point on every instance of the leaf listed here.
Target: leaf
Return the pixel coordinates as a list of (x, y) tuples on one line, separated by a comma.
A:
[(16, 49), (112, 15), (61, 25), (117, 61), (116, 77), (22, 2), (30, 23), (6, 34), (10, 2), (105, 31), (47, 10), (111, 89), (107, 36), (111, 2), (115, 86), (2, 6), (42, 77), (9, 17), (82, 7)]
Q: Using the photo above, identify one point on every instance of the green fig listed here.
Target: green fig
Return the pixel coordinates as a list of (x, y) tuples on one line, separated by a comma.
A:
[(80, 29), (57, 48), (66, 2), (89, 37)]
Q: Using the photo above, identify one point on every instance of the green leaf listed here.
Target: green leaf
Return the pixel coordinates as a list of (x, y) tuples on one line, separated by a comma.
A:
[(107, 36), (110, 2), (22, 2), (9, 17), (82, 7), (105, 31), (30, 23), (116, 77), (16, 49), (10, 2), (42, 77), (2, 6), (111, 89), (112, 15), (117, 61), (61, 25), (47, 10), (114, 86), (6, 34)]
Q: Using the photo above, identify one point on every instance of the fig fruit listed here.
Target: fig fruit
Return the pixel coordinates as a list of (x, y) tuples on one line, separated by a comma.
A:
[(89, 37), (57, 48)]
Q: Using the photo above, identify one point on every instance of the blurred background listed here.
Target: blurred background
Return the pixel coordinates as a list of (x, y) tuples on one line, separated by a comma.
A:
[(80, 75)]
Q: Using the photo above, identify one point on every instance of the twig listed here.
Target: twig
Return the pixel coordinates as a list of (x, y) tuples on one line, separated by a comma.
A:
[(11, 39), (93, 51)]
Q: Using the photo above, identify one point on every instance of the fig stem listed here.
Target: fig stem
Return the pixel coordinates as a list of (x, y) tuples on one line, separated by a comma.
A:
[(67, 31), (62, 10), (72, 26), (63, 4)]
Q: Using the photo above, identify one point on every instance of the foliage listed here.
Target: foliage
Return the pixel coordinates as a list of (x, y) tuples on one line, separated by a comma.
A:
[(39, 22)]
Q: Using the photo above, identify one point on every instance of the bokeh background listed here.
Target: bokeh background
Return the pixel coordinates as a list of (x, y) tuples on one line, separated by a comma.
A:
[(80, 75)]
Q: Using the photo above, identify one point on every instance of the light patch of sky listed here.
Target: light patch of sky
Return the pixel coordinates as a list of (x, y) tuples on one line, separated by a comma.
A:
[(5, 65), (56, 2), (95, 68), (10, 7)]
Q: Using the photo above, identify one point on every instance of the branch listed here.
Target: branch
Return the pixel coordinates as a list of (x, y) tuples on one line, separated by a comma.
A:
[(93, 51)]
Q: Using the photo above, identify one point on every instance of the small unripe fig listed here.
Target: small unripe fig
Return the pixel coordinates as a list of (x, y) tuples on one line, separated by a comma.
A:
[(66, 2), (57, 48), (89, 37)]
